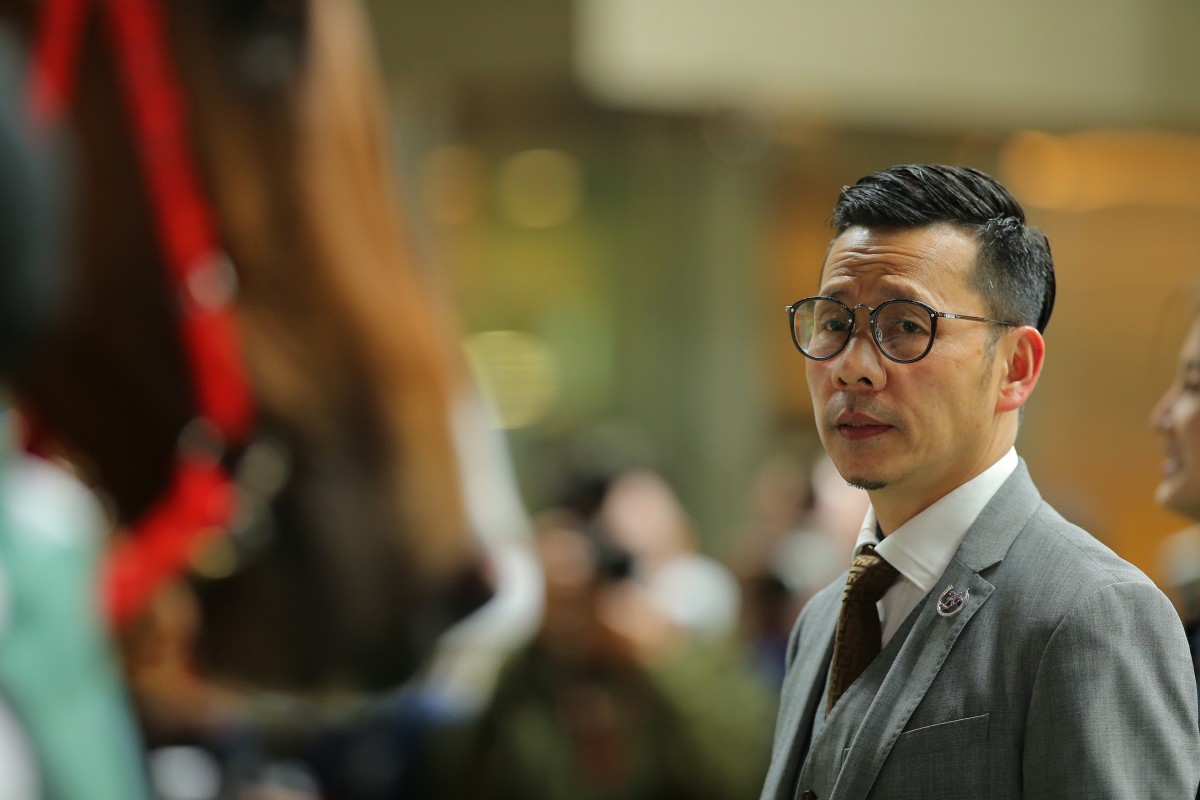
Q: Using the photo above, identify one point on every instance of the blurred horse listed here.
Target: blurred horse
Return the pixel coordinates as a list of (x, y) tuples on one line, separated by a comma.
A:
[(351, 551)]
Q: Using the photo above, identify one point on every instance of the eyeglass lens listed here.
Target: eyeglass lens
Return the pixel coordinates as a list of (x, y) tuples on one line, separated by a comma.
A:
[(903, 330)]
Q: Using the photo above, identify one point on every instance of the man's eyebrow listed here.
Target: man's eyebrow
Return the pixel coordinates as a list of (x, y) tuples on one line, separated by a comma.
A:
[(899, 294)]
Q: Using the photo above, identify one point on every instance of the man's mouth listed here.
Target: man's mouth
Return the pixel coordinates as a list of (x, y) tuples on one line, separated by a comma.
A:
[(856, 426)]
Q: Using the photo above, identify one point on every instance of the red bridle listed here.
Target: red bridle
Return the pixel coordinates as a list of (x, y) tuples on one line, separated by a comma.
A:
[(199, 502)]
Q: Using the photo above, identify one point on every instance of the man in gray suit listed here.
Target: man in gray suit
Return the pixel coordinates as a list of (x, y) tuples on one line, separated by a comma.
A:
[(1004, 652)]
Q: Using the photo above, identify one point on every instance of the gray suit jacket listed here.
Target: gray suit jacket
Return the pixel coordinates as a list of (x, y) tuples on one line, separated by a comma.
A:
[(1066, 675)]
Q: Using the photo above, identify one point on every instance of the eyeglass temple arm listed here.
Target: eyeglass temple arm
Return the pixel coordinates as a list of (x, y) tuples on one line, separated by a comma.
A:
[(948, 315)]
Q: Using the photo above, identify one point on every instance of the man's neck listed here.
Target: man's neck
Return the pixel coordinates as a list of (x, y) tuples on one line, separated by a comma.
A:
[(896, 504), (891, 512)]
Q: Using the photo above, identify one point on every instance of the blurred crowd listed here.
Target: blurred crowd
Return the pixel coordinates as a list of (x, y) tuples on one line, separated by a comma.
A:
[(616, 660)]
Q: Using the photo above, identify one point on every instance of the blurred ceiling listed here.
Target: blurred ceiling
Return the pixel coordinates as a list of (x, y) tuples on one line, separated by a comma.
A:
[(924, 64)]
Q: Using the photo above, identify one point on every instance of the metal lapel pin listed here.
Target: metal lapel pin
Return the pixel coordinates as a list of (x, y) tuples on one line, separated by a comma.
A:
[(952, 601)]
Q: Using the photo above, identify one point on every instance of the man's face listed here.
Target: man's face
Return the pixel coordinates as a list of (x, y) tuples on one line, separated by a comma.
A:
[(913, 431), (1177, 418)]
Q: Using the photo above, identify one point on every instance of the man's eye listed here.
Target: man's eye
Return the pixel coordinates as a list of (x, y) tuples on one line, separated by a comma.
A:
[(903, 327)]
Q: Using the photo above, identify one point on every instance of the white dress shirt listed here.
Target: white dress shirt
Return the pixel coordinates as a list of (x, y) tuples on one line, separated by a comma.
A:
[(922, 548)]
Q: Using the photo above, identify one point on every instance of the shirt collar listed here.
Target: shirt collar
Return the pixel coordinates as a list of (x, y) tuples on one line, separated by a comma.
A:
[(922, 548)]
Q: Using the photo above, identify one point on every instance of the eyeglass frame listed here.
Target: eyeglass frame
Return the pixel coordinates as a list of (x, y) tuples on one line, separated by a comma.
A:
[(934, 316)]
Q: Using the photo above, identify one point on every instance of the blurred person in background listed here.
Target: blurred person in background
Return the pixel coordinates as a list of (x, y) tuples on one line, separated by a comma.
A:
[(66, 732), (1177, 419), (633, 687), (803, 518), (980, 645)]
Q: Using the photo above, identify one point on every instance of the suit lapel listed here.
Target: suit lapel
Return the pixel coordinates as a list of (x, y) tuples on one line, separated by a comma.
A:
[(933, 635), (929, 641), (997, 526)]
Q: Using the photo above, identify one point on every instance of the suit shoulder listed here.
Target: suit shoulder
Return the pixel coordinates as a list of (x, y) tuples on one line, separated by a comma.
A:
[(831, 592), (819, 609), (1055, 569), (1070, 551), (821, 603)]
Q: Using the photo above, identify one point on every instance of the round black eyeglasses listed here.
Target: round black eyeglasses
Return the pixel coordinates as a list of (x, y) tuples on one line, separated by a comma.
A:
[(903, 330)]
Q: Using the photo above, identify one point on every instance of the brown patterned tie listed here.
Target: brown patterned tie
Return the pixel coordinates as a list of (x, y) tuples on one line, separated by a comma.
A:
[(859, 634)]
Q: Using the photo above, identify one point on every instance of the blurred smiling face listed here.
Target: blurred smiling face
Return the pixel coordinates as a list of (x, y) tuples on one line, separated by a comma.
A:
[(1177, 418)]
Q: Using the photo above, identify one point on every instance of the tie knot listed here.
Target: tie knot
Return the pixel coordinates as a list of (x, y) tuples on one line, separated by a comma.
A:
[(870, 576)]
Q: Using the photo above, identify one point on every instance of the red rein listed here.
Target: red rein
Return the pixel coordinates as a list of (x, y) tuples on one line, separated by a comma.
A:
[(199, 503)]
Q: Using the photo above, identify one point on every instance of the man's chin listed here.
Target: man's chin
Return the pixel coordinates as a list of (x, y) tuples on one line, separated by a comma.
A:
[(861, 470), (868, 484)]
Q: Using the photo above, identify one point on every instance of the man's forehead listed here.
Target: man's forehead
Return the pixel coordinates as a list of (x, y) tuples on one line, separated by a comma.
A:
[(940, 253)]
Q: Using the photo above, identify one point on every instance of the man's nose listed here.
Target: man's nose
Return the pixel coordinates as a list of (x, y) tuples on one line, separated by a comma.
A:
[(860, 364)]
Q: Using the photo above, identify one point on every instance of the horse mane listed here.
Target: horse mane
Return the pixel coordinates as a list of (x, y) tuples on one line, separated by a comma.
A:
[(366, 295), (350, 353)]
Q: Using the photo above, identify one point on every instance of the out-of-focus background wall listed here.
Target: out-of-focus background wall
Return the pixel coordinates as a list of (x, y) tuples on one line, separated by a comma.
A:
[(623, 195)]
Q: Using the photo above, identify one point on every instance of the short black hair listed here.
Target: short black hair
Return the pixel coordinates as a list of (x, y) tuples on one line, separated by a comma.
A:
[(1014, 272)]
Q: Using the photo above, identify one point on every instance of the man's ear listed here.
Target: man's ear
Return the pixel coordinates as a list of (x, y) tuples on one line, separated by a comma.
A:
[(1023, 352)]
